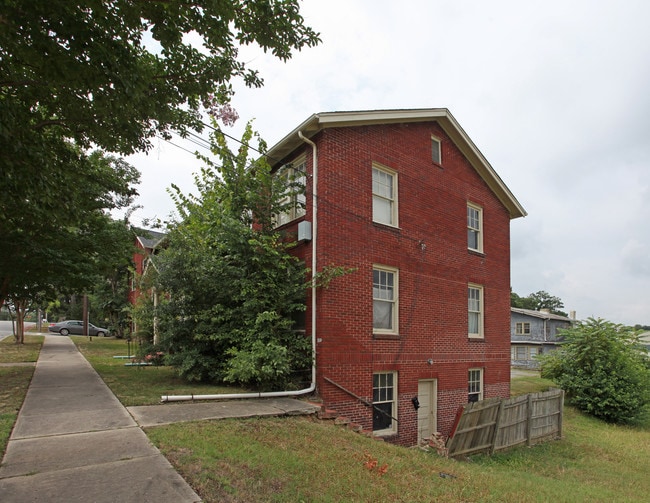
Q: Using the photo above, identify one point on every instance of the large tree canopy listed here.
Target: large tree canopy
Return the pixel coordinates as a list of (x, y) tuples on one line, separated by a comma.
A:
[(113, 73), (109, 74)]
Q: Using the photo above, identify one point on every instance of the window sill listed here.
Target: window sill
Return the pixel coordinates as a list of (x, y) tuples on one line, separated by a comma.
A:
[(387, 227), (476, 338), (381, 336), (288, 224), (384, 433), (478, 253)]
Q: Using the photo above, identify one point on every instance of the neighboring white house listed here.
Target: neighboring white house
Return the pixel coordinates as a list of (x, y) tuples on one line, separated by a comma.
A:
[(645, 340), (533, 333)]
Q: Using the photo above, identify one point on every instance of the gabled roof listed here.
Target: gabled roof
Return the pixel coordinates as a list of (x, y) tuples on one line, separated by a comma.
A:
[(318, 122), (540, 314), (149, 239)]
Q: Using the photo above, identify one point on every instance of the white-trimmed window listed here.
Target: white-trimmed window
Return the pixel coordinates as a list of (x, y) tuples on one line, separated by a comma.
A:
[(475, 385), (294, 199), (384, 300), (474, 227), (384, 403), (384, 195), (475, 311), (436, 150), (524, 353), (522, 328)]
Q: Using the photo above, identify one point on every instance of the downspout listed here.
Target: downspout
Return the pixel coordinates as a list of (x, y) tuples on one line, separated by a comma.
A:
[(314, 218), (312, 386)]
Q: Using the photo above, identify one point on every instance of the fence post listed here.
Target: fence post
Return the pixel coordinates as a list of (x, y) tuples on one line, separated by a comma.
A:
[(529, 420), (496, 427), (561, 414)]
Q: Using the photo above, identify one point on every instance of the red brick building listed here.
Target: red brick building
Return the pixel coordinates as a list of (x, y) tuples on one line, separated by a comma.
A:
[(422, 325), (147, 244)]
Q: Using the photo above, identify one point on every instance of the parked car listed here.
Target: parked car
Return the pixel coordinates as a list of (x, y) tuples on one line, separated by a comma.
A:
[(77, 327)]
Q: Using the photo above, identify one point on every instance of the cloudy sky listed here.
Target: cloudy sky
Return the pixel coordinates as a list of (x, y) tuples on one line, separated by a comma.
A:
[(556, 94)]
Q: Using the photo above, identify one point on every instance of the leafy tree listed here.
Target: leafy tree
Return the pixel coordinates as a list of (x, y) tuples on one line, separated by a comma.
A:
[(234, 290), (109, 74), (537, 301), (109, 298), (603, 369), (59, 244), (114, 73)]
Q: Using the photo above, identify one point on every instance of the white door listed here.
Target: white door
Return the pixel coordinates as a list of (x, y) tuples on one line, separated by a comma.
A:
[(427, 415)]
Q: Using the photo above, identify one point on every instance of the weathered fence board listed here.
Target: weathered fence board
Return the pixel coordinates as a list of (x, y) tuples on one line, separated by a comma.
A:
[(495, 425)]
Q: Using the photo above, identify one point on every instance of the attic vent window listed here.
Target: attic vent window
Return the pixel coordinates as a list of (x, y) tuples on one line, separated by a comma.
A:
[(436, 151)]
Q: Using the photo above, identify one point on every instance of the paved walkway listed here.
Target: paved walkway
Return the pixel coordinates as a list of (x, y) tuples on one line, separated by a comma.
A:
[(75, 442)]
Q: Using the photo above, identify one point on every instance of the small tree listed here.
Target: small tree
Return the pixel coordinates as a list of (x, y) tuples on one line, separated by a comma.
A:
[(603, 369), (234, 290)]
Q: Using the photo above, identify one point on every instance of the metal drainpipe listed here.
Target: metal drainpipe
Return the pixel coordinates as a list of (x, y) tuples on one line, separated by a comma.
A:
[(312, 386)]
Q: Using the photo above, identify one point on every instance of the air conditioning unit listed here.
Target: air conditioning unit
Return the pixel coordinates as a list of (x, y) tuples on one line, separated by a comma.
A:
[(304, 231)]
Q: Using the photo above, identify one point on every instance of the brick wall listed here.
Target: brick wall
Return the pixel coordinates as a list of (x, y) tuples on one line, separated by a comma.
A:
[(430, 251)]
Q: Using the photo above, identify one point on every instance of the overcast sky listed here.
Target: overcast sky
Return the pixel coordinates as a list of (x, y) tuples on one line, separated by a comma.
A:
[(556, 95)]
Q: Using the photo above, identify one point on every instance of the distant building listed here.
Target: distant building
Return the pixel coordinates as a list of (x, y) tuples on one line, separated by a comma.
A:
[(147, 244), (533, 333), (644, 337)]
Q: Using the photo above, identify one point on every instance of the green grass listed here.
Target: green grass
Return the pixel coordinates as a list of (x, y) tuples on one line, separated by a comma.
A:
[(15, 381), (138, 385), (531, 383), (303, 459), (20, 353)]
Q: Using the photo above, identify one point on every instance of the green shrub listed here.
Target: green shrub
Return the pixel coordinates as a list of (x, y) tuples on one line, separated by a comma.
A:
[(603, 369)]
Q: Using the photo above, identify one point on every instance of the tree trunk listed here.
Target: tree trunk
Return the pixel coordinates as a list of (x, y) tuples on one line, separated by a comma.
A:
[(19, 335)]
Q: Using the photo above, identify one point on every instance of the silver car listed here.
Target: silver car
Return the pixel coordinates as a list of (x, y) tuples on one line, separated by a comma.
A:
[(77, 327)]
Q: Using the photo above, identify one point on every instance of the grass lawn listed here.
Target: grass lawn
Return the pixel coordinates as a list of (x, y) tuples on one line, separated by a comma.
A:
[(305, 459), (15, 380), (20, 353), (137, 385)]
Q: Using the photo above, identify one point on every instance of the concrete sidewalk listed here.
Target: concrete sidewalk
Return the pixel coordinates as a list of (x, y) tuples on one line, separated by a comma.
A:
[(75, 442)]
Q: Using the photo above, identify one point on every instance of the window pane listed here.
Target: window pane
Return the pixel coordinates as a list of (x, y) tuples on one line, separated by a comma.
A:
[(472, 239), (474, 385), (383, 285), (435, 150), (382, 314), (474, 299), (473, 323), (382, 183), (383, 201), (381, 416), (472, 218), (382, 211)]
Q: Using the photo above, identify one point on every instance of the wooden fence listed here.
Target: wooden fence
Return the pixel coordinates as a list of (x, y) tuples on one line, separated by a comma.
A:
[(494, 425)]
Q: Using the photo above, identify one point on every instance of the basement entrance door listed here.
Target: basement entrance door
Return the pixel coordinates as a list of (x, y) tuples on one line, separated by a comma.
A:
[(427, 413)]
